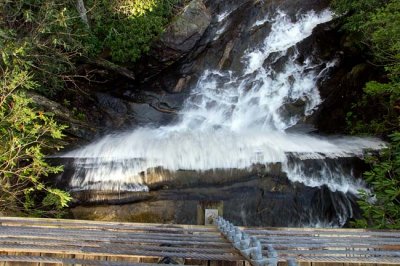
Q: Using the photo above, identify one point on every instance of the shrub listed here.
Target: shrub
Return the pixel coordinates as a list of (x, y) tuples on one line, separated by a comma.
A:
[(381, 207), (35, 55), (126, 28), (377, 24), (25, 134)]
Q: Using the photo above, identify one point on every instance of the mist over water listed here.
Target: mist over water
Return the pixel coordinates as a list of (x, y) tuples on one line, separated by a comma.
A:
[(235, 119)]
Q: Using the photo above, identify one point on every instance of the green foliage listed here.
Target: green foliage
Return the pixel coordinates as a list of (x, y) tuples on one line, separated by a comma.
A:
[(377, 112), (25, 134), (44, 37), (384, 30), (126, 28), (36, 54), (381, 208), (359, 12), (52, 38), (377, 24)]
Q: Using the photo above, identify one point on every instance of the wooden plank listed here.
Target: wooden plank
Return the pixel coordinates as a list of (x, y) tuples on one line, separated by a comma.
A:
[(353, 260), (126, 241), (119, 247), (349, 244), (49, 242), (320, 252), (131, 241), (100, 234), (52, 260), (112, 239), (313, 229), (86, 224), (133, 252), (298, 245), (327, 240), (124, 226), (170, 249), (333, 232), (287, 237), (105, 232), (325, 236)]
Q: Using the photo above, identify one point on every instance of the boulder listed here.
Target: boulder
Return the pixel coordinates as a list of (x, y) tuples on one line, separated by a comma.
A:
[(179, 39), (148, 114), (115, 108), (183, 33), (182, 84)]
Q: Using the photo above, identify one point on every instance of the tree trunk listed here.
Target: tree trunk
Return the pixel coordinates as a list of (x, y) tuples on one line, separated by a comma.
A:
[(80, 6)]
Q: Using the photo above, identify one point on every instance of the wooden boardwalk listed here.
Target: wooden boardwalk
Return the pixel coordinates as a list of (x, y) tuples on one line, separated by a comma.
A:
[(51, 241), (338, 246)]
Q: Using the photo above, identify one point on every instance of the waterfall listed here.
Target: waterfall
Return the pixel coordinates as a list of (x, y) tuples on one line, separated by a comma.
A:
[(235, 119)]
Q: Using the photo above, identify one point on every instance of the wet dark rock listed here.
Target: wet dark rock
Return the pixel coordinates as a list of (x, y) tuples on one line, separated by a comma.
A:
[(115, 110), (111, 104), (114, 68), (342, 85), (258, 197), (294, 7), (257, 201), (146, 114), (323, 42), (77, 128), (292, 109), (153, 108), (145, 212), (185, 31), (179, 38), (182, 84)]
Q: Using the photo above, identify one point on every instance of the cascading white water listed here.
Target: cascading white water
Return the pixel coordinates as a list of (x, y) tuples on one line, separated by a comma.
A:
[(233, 120)]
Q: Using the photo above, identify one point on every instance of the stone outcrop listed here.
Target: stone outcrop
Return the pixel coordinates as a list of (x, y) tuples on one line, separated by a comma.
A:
[(256, 201), (77, 129), (343, 83), (179, 38), (184, 32)]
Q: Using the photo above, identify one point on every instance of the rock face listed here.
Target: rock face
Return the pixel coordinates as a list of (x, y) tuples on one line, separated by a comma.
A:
[(77, 128), (258, 197), (343, 84), (184, 32), (256, 201), (180, 38)]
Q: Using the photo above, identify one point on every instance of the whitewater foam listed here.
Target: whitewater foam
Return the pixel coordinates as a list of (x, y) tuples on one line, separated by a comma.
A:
[(234, 120)]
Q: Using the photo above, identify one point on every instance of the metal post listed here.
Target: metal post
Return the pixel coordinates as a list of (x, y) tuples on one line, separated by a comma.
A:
[(249, 247), (292, 262)]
